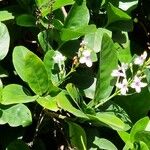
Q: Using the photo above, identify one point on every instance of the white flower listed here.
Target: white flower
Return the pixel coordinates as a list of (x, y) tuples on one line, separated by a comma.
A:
[(59, 58), (120, 72), (83, 43), (140, 59), (86, 58), (123, 86), (137, 84)]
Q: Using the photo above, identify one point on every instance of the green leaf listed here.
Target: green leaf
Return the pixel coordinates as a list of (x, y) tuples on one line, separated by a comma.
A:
[(16, 115), (138, 104), (36, 74), (124, 136), (128, 5), (43, 38), (77, 136), (94, 40), (147, 73), (48, 102), (107, 54), (118, 19), (78, 16), (6, 15), (102, 143), (13, 94), (45, 6), (4, 41), (60, 3), (73, 33), (141, 125), (128, 146), (64, 103), (90, 91), (143, 136), (49, 62), (143, 146), (31, 69), (19, 54), (108, 119), (17, 144), (73, 92), (116, 14), (26, 20)]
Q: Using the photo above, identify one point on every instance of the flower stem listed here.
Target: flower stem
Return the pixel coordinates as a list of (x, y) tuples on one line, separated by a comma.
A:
[(107, 99)]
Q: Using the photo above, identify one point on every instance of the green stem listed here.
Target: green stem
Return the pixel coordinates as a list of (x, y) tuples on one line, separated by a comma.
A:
[(107, 99)]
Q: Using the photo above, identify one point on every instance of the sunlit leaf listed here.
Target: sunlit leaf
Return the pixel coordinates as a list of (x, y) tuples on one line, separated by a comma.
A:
[(17, 115), (4, 40), (14, 93), (31, 69), (107, 54)]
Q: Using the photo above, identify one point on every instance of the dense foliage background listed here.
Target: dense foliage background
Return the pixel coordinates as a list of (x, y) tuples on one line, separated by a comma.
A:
[(56, 85)]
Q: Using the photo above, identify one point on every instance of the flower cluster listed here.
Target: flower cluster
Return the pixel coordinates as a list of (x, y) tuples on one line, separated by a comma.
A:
[(84, 54), (135, 82), (59, 59)]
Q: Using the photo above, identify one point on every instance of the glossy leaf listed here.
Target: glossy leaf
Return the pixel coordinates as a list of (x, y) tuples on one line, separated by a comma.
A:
[(90, 91), (118, 19), (17, 144), (77, 136), (31, 69), (107, 54), (73, 33), (116, 14), (45, 6), (49, 62), (17, 115), (128, 5), (76, 14), (4, 40), (43, 38), (19, 55), (73, 92), (26, 20), (6, 15), (94, 40), (64, 103), (48, 103), (124, 136), (108, 119), (14, 93), (36, 74), (102, 143), (143, 136), (141, 125)]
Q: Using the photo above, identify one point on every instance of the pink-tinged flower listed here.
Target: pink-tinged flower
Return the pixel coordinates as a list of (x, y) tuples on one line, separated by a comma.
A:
[(121, 71), (86, 58), (59, 58), (140, 59), (137, 84), (123, 86)]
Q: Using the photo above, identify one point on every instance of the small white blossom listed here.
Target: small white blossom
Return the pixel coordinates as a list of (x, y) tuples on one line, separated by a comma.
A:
[(59, 58), (120, 72), (83, 43), (123, 86), (86, 58), (140, 59), (137, 84)]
